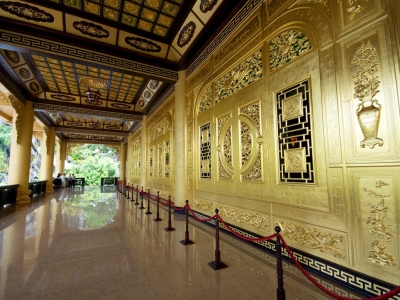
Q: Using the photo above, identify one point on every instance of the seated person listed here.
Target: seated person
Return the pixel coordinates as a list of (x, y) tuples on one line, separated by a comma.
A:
[(57, 181)]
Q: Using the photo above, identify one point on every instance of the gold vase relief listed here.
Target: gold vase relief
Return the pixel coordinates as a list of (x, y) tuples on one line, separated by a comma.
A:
[(366, 85)]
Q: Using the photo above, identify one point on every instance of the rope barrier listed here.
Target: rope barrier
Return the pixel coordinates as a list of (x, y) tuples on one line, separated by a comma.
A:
[(218, 264), (387, 295)]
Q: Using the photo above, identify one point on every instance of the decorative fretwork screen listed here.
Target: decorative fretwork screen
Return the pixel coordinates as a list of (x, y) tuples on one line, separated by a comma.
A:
[(295, 152), (205, 151)]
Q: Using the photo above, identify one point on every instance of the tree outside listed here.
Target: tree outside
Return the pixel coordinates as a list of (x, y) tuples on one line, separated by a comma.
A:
[(92, 162)]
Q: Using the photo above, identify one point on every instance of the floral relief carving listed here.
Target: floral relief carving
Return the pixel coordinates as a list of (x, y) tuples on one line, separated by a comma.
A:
[(255, 172), (205, 99), (91, 29), (207, 5), (221, 123), (246, 73), (286, 47), (26, 11), (253, 111), (366, 86), (246, 142), (313, 238), (186, 34), (378, 228), (203, 205), (227, 146), (250, 218), (223, 174), (162, 128)]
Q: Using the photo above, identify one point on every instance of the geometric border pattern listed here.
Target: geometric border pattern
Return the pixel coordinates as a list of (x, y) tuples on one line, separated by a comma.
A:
[(363, 284), (83, 54)]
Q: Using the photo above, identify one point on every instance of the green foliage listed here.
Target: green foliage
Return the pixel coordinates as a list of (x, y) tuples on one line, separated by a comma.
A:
[(92, 162)]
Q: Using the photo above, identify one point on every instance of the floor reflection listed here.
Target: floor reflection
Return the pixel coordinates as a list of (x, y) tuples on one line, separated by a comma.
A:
[(89, 242)]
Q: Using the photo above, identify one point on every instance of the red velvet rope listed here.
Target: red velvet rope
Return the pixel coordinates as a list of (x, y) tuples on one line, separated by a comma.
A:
[(178, 209), (267, 238), (200, 219), (387, 295)]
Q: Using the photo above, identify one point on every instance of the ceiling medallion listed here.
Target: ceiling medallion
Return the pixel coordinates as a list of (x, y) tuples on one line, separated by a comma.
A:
[(93, 98), (207, 5), (186, 34), (91, 29), (26, 11), (142, 44)]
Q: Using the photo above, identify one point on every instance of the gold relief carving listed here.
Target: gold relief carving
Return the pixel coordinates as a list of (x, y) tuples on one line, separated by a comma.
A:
[(366, 86), (56, 117), (160, 160), (246, 138), (97, 83), (238, 40), (190, 186), (205, 100), (274, 5), (250, 218), (286, 47), (336, 190), (19, 109), (379, 255), (203, 205), (189, 105), (199, 76), (227, 146), (189, 145), (253, 111), (4, 98), (313, 238), (246, 73), (356, 9), (255, 173), (292, 107), (378, 225), (295, 160), (223, 174), (221, 123), (23, 196), (162, 128)]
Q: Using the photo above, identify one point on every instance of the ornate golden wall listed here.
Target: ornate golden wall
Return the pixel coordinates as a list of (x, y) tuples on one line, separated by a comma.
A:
[(294, 121)]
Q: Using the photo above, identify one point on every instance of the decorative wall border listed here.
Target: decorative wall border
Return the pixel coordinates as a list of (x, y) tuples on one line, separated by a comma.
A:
[(361, 283)]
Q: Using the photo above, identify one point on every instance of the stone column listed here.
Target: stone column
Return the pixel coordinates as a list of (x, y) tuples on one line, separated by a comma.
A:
[(46, 167), (122, 162), (21, 143), (143, 153), (180, 141), (61, 156)]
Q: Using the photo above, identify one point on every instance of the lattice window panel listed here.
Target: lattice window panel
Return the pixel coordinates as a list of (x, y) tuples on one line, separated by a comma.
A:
[(167, 160), (295, 143), (205, 151)]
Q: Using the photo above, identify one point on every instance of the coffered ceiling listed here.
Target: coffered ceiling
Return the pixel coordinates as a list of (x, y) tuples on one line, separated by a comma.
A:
[(53, 52)]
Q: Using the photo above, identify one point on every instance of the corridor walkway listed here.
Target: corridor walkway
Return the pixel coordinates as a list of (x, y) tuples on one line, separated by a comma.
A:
[(83, 243)]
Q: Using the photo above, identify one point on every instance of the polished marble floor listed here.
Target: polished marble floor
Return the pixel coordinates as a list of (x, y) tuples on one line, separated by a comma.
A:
[(93, 244)]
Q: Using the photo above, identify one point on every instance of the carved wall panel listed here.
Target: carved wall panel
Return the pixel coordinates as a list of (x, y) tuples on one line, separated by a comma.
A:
[(247, 72), (314, 239), (224, 147), (369, 105), (203, 72), (206, 100), (167, 158), (189, 147), (204, 205), (246, 218), (287, 46), (355, 13), (376, 199)]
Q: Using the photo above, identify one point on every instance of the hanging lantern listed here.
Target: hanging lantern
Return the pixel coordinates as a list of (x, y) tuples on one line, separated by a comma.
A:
[(93, 98)]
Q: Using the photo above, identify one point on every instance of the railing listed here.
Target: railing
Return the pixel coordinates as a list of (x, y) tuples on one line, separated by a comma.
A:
[(80, 181), (8, 194), (37, 187), (109, 180), (280, 244)]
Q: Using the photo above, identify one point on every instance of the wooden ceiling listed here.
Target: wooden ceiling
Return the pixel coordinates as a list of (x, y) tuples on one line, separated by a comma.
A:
[(53, 52)]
